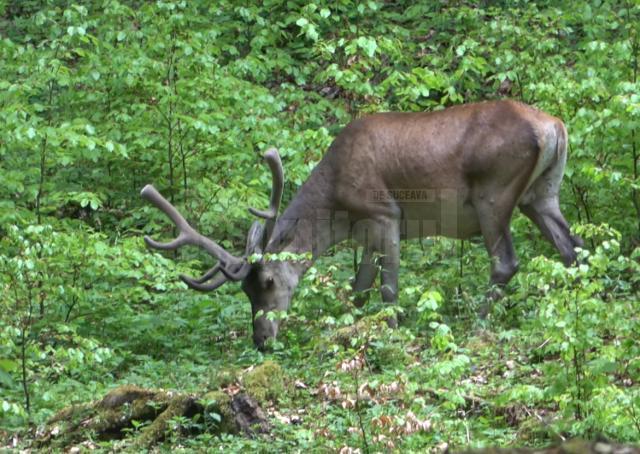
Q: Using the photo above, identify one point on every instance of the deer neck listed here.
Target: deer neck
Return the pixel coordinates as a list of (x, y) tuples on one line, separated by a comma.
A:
[(310, 224)]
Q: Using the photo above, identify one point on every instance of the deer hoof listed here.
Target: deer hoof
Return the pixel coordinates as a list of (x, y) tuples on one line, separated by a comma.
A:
[(392, 322)]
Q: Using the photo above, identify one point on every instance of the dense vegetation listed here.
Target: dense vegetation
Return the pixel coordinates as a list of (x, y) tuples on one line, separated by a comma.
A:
[(98, 98)]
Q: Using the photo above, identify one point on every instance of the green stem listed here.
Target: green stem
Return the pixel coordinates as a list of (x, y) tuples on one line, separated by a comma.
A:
[(365, 444)]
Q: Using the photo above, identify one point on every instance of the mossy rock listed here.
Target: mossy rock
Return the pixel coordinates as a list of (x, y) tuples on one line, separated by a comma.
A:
[(106, 418), (265, 382), (63, 427), (219, 403), (113, 416), (179, 405)]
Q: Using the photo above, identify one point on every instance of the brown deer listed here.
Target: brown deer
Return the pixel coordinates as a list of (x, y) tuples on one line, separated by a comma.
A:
[(457, 172)]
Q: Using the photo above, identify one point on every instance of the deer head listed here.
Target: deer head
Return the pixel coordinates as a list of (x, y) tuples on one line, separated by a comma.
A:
[(269, 285)]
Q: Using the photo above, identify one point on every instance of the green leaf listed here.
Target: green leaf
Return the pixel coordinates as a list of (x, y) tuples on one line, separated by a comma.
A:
[(369, 45), (8, 365)]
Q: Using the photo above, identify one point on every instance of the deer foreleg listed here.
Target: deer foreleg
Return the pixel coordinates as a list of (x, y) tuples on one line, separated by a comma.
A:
[(390, 264), (366, 275)]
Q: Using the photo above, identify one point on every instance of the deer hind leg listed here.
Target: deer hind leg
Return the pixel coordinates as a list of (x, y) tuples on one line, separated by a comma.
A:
[(494, 216), (546, 214), (497, 240), (365, 277), (499, 245), (541, 204)]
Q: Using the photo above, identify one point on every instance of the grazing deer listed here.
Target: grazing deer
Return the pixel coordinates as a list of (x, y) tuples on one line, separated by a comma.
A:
[(457, 172)]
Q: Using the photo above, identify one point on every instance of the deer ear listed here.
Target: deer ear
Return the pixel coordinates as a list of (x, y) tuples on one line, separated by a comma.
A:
[(286, 233)]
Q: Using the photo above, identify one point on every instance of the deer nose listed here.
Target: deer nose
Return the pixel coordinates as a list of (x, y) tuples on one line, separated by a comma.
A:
[(259, 340)]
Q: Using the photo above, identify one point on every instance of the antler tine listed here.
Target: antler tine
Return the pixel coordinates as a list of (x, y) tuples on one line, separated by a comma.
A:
[(199, 284), (277, 186), (187, 234), (253, 238), (227, 275), (237, 274), (206, 276)]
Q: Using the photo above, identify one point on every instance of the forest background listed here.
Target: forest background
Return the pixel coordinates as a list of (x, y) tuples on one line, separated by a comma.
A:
[(100, 97)]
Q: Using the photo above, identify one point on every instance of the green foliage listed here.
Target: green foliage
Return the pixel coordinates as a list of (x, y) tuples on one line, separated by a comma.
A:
[(99, 98), (581, 314)]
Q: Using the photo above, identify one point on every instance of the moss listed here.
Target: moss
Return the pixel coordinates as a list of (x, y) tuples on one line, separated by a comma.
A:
[(124, 404), (265, 382), (534, 429), (108, 418), (179, 405), (371, 325), (388, 356), (125, 394), (482, 341), (64, 427), (221, 378), (70, 413), (219, 403), (149, 407)]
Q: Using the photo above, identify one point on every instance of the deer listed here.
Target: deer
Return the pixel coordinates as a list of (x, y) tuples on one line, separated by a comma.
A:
[(458, 172)]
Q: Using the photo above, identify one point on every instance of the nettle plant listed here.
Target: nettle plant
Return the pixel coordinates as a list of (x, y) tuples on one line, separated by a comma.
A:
[(587, 334)]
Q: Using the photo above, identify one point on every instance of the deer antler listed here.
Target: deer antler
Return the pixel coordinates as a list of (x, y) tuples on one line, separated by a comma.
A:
[(229, 267), (277, 185), (187, 234)]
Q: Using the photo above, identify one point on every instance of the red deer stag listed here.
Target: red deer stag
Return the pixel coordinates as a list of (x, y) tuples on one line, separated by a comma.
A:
[(457, 172)]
